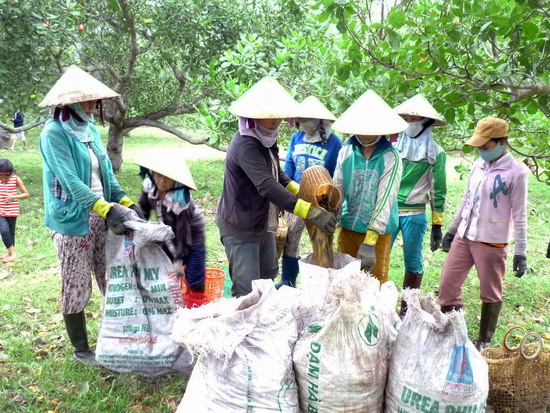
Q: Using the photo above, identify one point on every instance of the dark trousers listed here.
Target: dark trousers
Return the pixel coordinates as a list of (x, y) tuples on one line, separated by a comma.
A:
[(7, 230), (250, 261)]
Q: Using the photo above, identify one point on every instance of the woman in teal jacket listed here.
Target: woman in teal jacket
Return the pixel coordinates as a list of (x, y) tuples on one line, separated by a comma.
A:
[(368, 172), (79, 186)]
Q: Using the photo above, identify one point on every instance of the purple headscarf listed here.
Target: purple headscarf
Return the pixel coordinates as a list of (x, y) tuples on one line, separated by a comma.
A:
[(251, 127)]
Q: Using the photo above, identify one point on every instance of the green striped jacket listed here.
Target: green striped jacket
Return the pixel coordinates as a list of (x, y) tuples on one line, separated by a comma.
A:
[(369, 187)]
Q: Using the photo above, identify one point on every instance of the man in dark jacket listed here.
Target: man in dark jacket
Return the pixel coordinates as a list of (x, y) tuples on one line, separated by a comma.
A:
[(255, 188), (18, 121)]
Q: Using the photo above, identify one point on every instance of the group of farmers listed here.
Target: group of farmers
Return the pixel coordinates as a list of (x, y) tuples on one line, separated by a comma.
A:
[(385, 180)]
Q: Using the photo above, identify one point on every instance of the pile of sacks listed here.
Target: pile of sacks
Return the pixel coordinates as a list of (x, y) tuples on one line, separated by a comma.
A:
[(335, 344)]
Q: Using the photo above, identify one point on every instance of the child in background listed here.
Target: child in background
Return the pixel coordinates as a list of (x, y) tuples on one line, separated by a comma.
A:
[(166, 190), (9, 205)]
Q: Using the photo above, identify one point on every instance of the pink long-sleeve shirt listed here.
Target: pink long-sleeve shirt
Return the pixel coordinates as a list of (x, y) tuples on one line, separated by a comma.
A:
[(494, 204)]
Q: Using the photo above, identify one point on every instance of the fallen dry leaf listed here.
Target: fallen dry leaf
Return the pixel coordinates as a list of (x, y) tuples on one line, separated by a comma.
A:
[(53, 402), (33, 310), (34, 389), (40, 399), (42, 353), (18, 399), (27, 299)]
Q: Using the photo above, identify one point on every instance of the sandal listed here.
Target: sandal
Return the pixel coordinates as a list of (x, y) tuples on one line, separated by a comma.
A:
[(8, 258)]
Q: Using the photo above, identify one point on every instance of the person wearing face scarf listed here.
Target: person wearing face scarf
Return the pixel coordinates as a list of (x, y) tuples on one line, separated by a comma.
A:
[(255, 188), (79, 187), (167, 185), (493, 205), (314, 145), (368, 173), (424, 180)]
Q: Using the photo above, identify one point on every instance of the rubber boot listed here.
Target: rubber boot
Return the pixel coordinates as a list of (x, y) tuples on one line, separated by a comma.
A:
[(289, 272), (411, 280), (488, 324), (76, 329), (450, 308)]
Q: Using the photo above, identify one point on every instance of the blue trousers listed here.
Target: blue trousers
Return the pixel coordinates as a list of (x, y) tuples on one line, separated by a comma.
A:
[(413, 228), (7, 230)]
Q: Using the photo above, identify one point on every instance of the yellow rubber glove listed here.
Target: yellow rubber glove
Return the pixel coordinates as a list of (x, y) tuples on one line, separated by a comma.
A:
[(437, 218), (293, 187), (371, 237), (102, 208), (301, 209), (125, 201)]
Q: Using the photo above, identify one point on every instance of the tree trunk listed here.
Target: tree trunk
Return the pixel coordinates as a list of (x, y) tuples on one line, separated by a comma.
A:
[(6, 139), (114, 146)]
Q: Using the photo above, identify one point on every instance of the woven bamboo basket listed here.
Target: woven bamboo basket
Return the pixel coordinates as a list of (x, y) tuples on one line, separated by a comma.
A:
[(317, 188), (519, 377)]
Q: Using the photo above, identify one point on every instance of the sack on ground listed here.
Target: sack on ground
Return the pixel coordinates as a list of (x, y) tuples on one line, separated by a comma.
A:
[(140, 302), (434, 366), (244, 348), (341, 357)]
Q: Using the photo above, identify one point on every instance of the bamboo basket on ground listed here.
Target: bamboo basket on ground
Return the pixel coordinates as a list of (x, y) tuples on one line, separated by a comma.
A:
[(317, 188), (519, 377)]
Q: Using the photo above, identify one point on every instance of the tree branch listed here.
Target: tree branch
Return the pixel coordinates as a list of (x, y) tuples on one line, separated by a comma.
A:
[(28, 126), (132, 123)]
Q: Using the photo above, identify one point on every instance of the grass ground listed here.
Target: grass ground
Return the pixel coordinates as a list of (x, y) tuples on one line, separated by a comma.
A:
[(37, 371)]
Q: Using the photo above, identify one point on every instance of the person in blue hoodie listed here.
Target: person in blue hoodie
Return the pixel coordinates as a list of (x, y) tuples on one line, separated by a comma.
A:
[(314, 145)]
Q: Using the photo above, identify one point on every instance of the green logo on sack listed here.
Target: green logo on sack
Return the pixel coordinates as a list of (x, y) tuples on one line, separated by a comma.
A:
[(368, 329), (314, 328)]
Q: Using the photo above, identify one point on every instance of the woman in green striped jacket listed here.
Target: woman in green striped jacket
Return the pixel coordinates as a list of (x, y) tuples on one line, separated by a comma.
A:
[(368, 173)]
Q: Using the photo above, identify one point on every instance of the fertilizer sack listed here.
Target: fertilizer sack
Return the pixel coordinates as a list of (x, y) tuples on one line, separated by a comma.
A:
[(434, 367), (244, 348), (341, 358), (140, 302)]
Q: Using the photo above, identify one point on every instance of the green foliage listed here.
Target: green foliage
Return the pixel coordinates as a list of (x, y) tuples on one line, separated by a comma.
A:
[(471, 60)]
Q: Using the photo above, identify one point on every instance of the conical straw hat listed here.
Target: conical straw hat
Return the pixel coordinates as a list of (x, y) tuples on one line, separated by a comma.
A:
[(419, 106), (267, 99), (312, 108), (370, 115), (74, 86), (170, 163)]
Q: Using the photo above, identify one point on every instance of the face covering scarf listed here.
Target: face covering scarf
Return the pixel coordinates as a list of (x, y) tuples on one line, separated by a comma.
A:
[(491, 155), (316, 130), (418, 149), (252, 127), (75, 122)]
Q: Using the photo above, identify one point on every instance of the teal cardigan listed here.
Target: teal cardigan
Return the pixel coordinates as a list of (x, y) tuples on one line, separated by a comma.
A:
[(67, 163)]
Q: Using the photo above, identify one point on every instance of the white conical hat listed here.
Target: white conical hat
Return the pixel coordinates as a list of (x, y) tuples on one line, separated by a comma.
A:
[(168, 162), (419, 106), (370, 115), (74, 86), (267, 99), (313, 108)]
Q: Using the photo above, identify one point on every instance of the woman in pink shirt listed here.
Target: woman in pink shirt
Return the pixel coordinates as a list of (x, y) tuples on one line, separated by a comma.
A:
[(494, 205)]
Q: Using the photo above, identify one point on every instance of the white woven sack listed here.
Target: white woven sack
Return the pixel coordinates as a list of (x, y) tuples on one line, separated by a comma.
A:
[(141, 299), (341, 360), (244, 347), (434, 367)]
